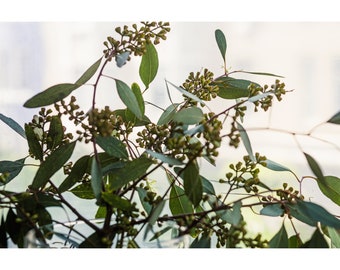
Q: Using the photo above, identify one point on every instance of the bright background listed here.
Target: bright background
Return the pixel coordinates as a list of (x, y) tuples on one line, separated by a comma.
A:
[(303, 48)]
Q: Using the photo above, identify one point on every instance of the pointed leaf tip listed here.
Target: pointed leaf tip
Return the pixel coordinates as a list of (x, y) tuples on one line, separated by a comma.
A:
[(221, 42)]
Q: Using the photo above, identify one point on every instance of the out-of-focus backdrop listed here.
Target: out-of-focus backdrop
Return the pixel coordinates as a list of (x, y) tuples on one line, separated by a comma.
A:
[(36, 55)]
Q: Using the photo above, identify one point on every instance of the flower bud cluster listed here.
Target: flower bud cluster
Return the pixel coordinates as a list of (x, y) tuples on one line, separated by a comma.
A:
[(41, 124), (201, 86), (71, 109), (134, 39), (245, 174), (105, 122), (277, 89)]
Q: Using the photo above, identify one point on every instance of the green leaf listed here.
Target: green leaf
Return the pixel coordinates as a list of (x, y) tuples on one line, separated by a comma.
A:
[(221, 42), (77, 172), (149, 65), (51, 95), (112, 146), (13, 125), (52, 164), (189, 116), (334, 235), (164, 158), (186, 93), (207, 186), (280, 239), (261, 73), (33, 143), (12, 168), (179, 203), (132, 171), (138, 93), (317, 241), (160, 233), (311, 213), (272, 210), (203, 242), (155, 213), (315, 168), (233, 215), (55, 133), (3, 235), (330, 187), (142, 193), (129, 99), (294, 241), (193, 183), (116, 201), (231, 88), (335, 119), (246, 141), (84, 191), (272, 165), (167, 115), (122, 58), (96, 178), (89, 73)]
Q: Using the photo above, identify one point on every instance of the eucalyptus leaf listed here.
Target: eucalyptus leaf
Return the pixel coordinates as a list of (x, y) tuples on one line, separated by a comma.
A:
[(203, 242), (179, 203), (334, 235), (122, 58), (138, 94), (52, 164), (186, 93), (317, 241), (77, 172), (88, 74), (272, 210), (232, 215), (330, 187), (51, 95), (231, 88), (167, 115), (112, 146), (193, 183), (261, 73), (335, 119), (128, 98), (83, 191), (33, 143), (311, 213), (274, 166), (246, 141), (96, 178), (13, 125), (11, 168), (314, 166), (116, 201), (207, 186), (189, 116), (280, 239), (133, 170), (155, 213), (221, 42), (149, 65), (164, 158), (55, 133), (142, 193)]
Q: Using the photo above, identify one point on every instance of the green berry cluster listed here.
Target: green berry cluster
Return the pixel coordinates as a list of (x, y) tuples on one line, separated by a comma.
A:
[(234, 134), (245, 174), (211, 134), (200, 85), (278, 89), (71, 109), (134, 40), (105, 122), (236, 236), (45, 133)]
